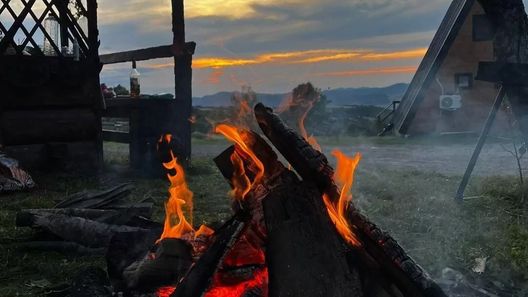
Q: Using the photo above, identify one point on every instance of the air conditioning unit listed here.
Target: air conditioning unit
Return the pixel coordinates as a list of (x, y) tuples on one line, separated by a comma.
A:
[(450, 102)]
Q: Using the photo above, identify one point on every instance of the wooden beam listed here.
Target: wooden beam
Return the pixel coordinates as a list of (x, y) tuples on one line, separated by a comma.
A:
[(164, 51)]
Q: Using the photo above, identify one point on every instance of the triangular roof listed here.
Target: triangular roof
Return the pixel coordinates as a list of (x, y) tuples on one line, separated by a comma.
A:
[(442, 41)]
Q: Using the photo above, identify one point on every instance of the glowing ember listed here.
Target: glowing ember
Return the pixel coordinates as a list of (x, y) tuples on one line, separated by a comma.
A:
[(241, 182), (165, 291), (259, 282), (344, 177)]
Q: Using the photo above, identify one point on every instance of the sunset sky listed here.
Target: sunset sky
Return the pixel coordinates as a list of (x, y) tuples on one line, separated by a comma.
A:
[(273, 45)]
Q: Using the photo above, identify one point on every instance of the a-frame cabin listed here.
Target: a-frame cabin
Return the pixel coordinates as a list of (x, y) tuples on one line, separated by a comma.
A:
[(444, 97)]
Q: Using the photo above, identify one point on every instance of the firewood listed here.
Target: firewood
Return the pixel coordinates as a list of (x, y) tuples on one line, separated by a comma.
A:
[(83, 231), (117, 216), (96, 199), (313, 166), (305, 256), (124, 249), (171, 261), (197, 280)]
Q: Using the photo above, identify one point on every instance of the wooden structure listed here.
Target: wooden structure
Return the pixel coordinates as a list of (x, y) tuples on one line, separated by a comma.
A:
[(51, 100), (149, 118), (447, 74)]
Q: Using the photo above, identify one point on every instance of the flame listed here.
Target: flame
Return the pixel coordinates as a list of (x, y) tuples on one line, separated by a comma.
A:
[(241, 182), (344, 177), (179, 196), (203, 231), (176, 224)]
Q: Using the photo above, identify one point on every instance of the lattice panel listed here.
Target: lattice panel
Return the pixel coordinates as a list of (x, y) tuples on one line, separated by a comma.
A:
[(44, 28)]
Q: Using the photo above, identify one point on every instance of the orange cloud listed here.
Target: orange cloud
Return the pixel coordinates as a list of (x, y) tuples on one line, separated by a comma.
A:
[(369, 71), (303, 57)]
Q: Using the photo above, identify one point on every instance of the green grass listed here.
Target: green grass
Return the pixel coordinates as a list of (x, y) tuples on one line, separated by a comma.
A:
[(417, 208)]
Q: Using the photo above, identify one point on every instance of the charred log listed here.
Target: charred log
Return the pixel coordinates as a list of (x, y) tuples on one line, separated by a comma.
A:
[(167, 265), (199, 277), (124, 249), (395, 265), (299, 229)]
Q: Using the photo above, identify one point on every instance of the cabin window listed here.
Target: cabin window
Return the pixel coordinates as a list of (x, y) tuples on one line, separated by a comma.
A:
[(482, 28), (464, 80)]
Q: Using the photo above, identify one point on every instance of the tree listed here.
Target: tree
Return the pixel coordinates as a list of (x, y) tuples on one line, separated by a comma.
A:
[(120, 90)]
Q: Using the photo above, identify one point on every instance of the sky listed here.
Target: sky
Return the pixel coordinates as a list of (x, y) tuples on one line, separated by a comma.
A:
[(270, 45), (273, 45)]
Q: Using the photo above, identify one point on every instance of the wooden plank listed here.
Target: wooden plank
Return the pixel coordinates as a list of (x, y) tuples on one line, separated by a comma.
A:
[(164, 51)]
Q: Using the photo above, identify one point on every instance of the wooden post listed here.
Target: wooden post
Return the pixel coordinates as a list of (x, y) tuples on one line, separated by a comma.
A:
[(482, 139), (182, 79), (93, 32)]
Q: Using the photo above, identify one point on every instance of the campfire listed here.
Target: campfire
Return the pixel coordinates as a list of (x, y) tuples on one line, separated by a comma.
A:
[(294, 232)]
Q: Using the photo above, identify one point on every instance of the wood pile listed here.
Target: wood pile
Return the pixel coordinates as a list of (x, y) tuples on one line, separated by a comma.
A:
[(85, 222)]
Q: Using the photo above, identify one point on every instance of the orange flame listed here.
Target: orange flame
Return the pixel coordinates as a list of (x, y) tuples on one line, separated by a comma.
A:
[(241, 182), (180, 196), (344, 177)]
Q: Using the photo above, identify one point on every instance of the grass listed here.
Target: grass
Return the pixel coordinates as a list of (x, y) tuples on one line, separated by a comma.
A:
[(417, 208)]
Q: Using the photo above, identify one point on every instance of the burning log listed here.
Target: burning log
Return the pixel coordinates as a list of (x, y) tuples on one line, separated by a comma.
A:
[(197, 280), (396, 266), (298, 229)]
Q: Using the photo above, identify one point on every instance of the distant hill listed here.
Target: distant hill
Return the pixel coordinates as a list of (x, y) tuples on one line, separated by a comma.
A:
[(338, 97)]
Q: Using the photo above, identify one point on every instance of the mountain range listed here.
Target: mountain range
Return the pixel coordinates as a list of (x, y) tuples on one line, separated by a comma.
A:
[(381, 96)]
